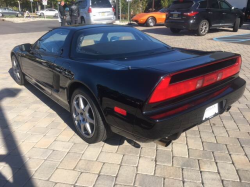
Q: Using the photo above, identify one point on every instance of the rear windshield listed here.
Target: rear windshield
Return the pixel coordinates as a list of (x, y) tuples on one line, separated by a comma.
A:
[(113, 43), (181, 4), (100, 4)]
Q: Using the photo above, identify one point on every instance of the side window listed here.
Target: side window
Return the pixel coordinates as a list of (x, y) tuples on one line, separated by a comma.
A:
[(53, 41), (214, 4), (203, 4), (82, 4), (224, 6)]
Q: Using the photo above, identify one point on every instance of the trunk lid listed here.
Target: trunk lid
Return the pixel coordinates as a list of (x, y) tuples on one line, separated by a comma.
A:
[(174, 61)]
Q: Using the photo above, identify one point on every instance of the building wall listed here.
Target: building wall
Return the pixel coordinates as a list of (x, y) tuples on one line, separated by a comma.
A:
[(238, 3)]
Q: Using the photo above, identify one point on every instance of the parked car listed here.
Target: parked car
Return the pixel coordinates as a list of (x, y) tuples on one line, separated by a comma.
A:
[(48, 12), (151, 18), (96, 11), (116, 78), (9, 12), (202, 15)]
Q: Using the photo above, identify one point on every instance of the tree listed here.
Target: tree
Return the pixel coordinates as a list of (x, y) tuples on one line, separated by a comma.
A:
[(166, 3)]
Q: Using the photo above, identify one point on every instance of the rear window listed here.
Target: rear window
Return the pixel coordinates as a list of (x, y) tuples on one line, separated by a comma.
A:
[(100, 4), (181, 5), (113, 43)]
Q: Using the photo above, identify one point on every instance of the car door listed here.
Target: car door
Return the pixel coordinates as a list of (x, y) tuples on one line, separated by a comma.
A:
[(214, 13), (39, 64), (83, 8), (229, 16)]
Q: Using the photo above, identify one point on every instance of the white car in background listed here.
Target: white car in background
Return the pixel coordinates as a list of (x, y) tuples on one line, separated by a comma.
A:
[(48, 12)]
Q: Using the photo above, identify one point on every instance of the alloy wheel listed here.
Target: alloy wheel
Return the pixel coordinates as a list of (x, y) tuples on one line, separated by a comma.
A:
[(83, 116), (151, 22), (16, 69), (204, 27)]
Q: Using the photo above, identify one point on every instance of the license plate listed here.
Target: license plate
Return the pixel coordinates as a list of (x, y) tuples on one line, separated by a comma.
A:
[(103, 14), (211, 111), (175, 16)]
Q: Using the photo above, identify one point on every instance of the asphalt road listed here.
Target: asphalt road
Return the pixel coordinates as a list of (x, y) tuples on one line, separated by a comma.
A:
[(7, 27)]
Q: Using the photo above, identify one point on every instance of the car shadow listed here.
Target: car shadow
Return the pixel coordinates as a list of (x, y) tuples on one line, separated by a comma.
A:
[(115, 139), (11, 157)]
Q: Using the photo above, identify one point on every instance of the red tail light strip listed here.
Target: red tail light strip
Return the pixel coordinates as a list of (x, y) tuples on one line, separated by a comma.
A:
[(187, 106), (165, 90), (191, 14)]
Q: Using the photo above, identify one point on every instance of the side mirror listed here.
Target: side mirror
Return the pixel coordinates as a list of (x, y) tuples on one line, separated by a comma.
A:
[(26, 47)]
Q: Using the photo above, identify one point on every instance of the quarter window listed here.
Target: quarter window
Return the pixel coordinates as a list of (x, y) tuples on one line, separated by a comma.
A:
[(203, 4)]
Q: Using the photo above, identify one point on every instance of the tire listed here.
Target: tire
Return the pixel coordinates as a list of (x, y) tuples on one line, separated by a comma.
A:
[(42, 14), (56, 15), (88, 123), (17, 72), (82, 21), (151, 22), (1, 15), (19, 15), (236, 25), (203, 28), (175, 31)]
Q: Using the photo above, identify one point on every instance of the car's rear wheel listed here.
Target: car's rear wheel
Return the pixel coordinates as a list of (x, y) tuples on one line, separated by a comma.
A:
[(86, 117), (1, 15), (82, 21), (174, 30), (17, 72), (236, 25), (56, 14), (151, 22), (42, 14), (203, 28)]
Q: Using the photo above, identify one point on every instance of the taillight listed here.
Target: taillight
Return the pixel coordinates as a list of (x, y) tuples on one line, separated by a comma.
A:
[(113, 9), (90, 10), (190, 14), (165, 90)]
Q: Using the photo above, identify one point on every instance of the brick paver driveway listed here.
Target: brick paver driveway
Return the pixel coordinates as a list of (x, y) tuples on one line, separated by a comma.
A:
[(38, 146)]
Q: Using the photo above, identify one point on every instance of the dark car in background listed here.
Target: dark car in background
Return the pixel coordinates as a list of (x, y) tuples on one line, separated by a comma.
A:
[(120, 79), (202, 15), (9, 12)]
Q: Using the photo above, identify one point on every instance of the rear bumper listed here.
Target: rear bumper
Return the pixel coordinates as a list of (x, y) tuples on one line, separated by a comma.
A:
[(146, 129), (182, 24), (109, 20)]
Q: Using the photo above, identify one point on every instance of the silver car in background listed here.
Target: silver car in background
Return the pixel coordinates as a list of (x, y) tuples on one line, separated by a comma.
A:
[(96, 11)]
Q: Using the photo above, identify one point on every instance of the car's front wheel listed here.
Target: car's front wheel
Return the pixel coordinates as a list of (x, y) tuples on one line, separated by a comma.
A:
[(203, 28), (86, 117), (151, 22), (17, 72), (236, 25), (1, 15), (174, 30), (42, 14)]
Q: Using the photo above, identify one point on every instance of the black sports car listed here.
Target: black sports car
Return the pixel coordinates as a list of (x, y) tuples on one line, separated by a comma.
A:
[(115, 78)]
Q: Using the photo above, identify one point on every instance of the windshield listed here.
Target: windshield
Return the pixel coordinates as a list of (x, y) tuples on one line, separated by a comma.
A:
[(114, 42), (100, 4), (163, 10), (181, 5)]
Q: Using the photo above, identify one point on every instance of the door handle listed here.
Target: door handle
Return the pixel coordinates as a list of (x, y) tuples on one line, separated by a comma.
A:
[(210, 12)]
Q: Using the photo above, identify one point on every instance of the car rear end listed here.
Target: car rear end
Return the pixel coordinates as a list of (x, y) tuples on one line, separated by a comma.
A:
[(100, 12), (183, 14), (192, 92)]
